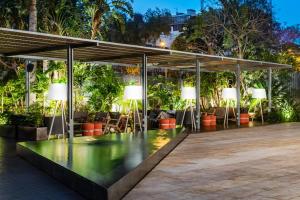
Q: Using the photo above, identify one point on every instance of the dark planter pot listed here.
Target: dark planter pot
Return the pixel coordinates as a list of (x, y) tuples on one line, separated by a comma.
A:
[(26, 133), (8, 131), (187, 122), (57, 126)]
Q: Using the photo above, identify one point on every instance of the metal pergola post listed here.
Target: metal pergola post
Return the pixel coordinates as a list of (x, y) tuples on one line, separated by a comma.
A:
[(27, 86), (198, 82), (238, 95), (181, 79), (144, 86), (270, 89), (70, 59)]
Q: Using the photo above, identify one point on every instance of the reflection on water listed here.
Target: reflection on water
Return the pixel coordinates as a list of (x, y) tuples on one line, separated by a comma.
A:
[(104, 159)]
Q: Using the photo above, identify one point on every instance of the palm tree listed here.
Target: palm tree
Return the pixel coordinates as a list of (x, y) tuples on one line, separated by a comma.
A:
[(13, 14), (102, 10), (32, 16)]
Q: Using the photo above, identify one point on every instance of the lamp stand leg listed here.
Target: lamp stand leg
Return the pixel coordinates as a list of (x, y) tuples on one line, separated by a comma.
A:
[(128, 115), (234, 114), (225, 115), (62, 119), (192, 121), (192, 117), (261, 112), (52, 123), (134, 109), (183, 116), (138, 115)]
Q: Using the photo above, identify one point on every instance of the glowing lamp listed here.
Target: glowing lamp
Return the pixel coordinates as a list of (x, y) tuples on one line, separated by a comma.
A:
[(58, 92), (188, 93), (259, 94), (133, 92), (229, 94), (162, 44)]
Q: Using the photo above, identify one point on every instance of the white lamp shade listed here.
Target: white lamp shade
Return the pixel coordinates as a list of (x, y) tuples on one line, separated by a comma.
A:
[(259, 94), (133, 92), (229, 94), (58, 92), (250, 90), (188, 93)]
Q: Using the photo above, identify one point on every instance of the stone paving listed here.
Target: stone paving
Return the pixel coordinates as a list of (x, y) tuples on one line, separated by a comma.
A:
[(21, 181), (260, 163)]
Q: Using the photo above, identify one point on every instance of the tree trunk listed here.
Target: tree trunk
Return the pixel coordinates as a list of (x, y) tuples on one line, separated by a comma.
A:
[(32, 26), (240, 50), (96, 24), (32, 16)]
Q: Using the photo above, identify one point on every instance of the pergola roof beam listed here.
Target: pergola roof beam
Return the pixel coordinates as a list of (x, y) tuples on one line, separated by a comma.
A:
[(47, 49), (25, 44)]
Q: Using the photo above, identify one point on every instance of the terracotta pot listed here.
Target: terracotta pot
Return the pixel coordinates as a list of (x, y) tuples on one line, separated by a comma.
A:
[(87, 129), (172, 123), (213, 121), (164, 124), (97, 128), (244, 118), (206, 120)]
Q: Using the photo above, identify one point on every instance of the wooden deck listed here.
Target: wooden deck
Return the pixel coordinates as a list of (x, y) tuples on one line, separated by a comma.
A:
[(249, 163)]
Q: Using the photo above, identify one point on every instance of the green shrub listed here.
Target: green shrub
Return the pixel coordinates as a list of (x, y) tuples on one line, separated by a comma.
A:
[(289, 112), (33, 118), (5, 118)]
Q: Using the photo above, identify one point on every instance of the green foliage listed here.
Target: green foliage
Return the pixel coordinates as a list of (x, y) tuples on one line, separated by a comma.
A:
[(34, 116), (289, 112), (211, 88), (15, 92), (13, 14), (103, 13), (164, 92), (157, 22), (141, 29), (5, 118), (103, 88), (57, 72), (81, 73)]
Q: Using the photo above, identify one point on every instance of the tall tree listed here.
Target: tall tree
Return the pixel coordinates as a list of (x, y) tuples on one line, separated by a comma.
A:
[(102, 11), (13, 14), (245, 23), (157, 21), (143, 29), (202, 34)]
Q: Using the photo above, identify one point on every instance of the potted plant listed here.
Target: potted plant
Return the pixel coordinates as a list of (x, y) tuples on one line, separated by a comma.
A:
[(31, 125), (88, 127), (244, 116), (7, 129)]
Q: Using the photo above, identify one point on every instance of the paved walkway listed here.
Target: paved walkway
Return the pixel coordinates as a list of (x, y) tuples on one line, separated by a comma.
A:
[(19, 180), (253, 163)]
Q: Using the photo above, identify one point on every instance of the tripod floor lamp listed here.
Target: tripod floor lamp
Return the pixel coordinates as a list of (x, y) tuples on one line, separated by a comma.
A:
[(189, 94), (58, 92), (133, 93), (228, 95), (260, 94)]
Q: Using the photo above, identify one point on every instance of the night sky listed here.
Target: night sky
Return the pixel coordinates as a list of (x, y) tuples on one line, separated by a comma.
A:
[(286, 11)]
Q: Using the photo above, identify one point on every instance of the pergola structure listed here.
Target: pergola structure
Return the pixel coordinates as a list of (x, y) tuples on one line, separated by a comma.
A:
[(40, 46)]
